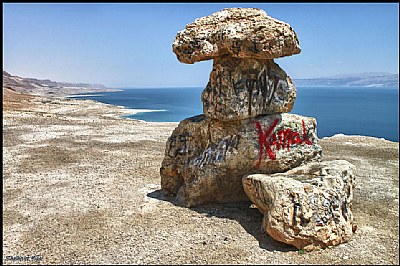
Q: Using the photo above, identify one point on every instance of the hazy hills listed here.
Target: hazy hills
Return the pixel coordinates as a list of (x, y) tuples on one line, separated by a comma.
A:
[(47, 87), (368, 79)]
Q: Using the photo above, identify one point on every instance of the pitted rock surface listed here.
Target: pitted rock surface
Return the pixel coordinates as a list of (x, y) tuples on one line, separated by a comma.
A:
[(205, 159), (308, 207), (240, 32), (244, 88)]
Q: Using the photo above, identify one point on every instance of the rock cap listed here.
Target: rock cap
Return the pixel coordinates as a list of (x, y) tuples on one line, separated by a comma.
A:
[(240, 32)]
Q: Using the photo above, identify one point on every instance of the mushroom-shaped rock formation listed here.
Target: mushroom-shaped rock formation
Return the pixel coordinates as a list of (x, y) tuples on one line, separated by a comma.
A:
[(246, 131), (239, 32), (245, 128), (245, 81)]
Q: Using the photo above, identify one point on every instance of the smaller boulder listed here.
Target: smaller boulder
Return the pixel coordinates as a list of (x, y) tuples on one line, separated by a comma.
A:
[(308, 207)]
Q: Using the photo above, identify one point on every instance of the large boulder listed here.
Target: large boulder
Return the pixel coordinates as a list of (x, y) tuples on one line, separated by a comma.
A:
[(205, 159), (244, 88), (308, 207), (240, 32)]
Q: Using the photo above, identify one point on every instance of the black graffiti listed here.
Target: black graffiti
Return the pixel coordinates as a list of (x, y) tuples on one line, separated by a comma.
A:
[(236, 85), (236, 46), (253, 82), (217, 152), (178, 144), (255, 42), (261, 84), (272, 92), (250, 81), (214, 92)]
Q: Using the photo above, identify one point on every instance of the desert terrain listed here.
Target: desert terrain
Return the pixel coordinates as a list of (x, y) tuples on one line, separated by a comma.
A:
[(81, 185)]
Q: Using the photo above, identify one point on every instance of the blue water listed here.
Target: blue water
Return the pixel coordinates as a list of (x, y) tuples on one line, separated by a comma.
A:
[(351, 111)]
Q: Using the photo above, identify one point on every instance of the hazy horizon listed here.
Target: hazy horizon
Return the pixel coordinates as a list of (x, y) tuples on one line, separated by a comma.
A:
[(201, 86), (130, 45)]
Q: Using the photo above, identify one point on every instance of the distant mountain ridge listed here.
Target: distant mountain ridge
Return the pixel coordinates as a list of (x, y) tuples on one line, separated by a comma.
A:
[(366, 79), (47, 87)]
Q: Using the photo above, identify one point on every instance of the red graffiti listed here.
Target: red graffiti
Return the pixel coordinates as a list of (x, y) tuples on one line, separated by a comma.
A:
[(282, 139)]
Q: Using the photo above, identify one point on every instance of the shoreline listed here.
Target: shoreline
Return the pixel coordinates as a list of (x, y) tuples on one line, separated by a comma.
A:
[(130, 111), (122, 111), (136, 111), (126, 111)]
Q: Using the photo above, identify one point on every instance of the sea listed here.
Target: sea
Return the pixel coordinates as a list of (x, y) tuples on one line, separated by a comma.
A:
[(339, 110)]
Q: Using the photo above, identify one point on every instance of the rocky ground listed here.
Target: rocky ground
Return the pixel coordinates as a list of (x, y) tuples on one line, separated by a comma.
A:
[(82, 186)]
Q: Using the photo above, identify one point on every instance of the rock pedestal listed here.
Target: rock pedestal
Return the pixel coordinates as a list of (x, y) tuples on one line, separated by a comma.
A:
[(205, 159), (246, 129), (244, 88)]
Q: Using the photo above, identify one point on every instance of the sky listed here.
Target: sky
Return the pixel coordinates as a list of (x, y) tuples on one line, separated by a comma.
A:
[(130, 44)]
